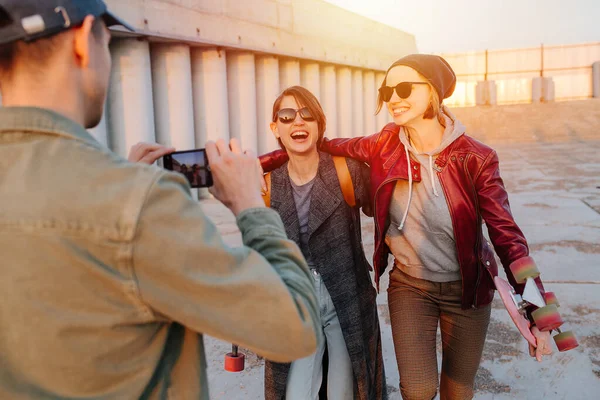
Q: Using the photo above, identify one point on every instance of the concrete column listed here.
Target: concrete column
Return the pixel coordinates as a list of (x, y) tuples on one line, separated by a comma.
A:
[(485, 93), (100, 132), (131, 109), (209, 90), (596, 79), (267, 90), (241, 89), (542, 89), (311, 78), (173, 105), (329, 99), (383, 117), (548, 89), (358, 106), (369, 98), (289, 73), (345, 120)]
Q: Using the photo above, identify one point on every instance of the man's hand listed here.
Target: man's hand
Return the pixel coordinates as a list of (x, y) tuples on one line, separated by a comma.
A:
[(148, 153), (543, 344), (236, 176)]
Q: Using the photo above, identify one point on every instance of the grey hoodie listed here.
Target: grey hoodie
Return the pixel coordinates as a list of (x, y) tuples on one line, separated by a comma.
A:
[(420, 235)]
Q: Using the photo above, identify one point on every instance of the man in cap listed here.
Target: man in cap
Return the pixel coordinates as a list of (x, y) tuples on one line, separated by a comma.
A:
[(110, 270)]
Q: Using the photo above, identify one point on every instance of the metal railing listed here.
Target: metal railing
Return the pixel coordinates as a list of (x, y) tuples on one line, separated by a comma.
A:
[(570, 66)]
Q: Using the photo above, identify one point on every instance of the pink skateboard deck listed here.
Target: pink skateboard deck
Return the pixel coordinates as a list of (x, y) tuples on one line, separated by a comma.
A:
[(507, 294)]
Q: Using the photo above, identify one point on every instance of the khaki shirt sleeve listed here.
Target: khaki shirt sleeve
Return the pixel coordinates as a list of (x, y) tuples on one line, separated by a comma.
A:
[(259, 296)]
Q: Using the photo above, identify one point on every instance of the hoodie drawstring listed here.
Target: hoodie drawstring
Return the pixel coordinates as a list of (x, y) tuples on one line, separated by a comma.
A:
[(410, 184), (435, 192)]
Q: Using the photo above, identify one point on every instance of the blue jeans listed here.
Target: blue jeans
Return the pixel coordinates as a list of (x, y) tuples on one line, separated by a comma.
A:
[(306, 374)]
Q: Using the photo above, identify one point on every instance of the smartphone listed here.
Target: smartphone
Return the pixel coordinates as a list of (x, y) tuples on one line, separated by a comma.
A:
[(193, 164)]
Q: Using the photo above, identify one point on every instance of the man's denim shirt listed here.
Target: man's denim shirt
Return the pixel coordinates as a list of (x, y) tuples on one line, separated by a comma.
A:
[(110, 269)]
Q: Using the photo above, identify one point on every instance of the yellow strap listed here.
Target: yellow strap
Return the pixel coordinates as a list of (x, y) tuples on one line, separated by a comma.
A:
[(267, 195), (343, 173)]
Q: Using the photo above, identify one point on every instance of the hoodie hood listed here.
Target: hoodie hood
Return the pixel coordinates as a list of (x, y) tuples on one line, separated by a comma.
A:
[(454, 130)]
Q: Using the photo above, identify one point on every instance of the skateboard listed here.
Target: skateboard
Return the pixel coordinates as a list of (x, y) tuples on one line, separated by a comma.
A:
[(546, 317), (234, 361)]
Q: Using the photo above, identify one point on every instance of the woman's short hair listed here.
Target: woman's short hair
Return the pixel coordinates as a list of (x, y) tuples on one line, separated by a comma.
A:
[(304, 98)]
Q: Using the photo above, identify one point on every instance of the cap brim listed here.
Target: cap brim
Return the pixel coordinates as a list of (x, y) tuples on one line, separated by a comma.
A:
[(112, 20)]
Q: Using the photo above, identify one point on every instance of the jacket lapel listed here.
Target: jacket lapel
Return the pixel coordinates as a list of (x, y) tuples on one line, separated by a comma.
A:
[(324, 197), (282, 201)]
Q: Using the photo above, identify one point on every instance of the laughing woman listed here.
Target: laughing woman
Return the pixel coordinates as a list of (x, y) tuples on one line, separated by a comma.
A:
[(433, 186), (307, 193)]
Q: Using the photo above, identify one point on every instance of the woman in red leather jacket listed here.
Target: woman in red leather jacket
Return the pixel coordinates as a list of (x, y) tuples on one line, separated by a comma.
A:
[(432, 187)]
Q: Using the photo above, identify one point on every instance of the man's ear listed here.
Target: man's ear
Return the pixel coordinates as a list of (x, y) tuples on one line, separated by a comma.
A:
[(273, 126), (82, 39)]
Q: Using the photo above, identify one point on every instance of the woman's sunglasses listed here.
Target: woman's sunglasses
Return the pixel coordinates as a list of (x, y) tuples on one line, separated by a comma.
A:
[(288, 115), (403, 90)]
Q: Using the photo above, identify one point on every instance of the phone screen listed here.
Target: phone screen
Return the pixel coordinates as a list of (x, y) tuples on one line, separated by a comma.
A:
[(193, 164)]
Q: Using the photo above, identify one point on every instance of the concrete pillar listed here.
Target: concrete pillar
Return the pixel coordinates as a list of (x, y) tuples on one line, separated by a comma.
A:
[(131, 109), (596, 79), (548, 89), (267, 90), (241, 89), (542, 89), (311, 78), (486, 93), (358, 106), (100, 132), (209, 90), (383, 117), (345, 121), (369, 99), (289, 73), (173, 104), (329, 99)]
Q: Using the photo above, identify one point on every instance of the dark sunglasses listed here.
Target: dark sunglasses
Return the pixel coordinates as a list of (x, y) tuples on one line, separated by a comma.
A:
[(288, 115), (403, 90)]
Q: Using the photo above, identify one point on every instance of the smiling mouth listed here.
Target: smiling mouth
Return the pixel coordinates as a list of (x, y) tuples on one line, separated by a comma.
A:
[(400, 110), (299, 135)]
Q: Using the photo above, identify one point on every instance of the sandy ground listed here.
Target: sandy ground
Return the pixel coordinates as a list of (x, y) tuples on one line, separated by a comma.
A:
[(554, 189)]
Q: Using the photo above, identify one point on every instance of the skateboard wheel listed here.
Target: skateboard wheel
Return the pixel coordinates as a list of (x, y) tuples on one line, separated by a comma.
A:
[(547, 318), (524, 268), (550, 298), (566, 341), (234, 363)]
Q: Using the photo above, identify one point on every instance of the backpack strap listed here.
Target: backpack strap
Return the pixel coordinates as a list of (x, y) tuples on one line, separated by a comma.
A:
[(343, 173), (267, 195)]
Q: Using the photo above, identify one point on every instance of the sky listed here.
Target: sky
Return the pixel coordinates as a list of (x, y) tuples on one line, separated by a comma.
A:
[(453, 26)]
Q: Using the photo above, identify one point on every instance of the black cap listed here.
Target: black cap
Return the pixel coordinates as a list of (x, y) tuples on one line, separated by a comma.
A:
[(29, 20), (434, 68)]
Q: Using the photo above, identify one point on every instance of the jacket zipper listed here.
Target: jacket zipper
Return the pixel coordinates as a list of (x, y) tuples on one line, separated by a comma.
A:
[(476, 230)]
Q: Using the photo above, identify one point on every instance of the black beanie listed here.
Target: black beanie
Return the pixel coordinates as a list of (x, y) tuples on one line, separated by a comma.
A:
[(434, 68)]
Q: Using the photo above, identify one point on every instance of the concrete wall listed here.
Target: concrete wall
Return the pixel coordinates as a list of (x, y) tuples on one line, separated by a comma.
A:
[(307, 29), (203, 70)]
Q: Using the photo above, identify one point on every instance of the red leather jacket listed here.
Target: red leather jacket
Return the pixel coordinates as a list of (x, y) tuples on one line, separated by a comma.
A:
[(469, 175)]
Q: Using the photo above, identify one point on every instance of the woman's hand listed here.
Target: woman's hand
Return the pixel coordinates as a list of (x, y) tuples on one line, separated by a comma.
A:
[(543, 344), (148, 153)]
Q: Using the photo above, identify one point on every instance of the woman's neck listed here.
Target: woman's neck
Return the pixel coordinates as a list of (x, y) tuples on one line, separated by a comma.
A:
[(302, 168), (425, 135)]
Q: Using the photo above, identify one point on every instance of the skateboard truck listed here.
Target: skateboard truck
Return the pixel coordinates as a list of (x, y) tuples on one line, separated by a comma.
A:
[(234, 361), (531, 295), (546, 316)]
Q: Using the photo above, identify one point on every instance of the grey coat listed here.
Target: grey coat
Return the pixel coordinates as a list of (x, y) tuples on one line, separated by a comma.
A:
[(336, 247)]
